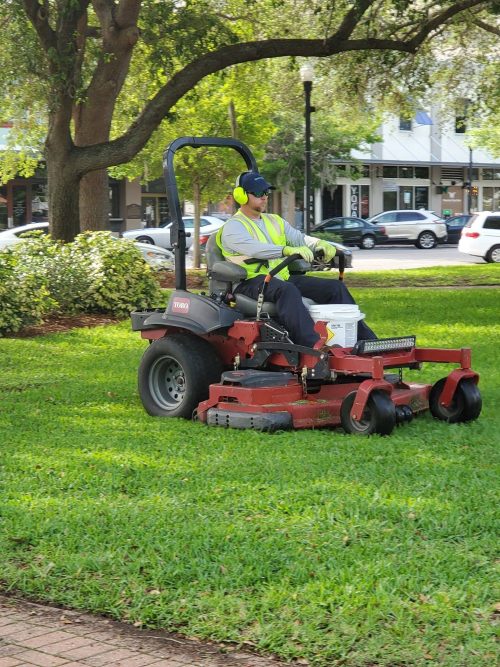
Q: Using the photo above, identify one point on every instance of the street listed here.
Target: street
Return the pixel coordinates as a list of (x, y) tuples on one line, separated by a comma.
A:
[(401, 257), (409, 257)]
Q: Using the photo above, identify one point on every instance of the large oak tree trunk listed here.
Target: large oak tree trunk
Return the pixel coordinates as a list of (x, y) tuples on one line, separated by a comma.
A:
[(93, 118), (63, 190), (94, 201)]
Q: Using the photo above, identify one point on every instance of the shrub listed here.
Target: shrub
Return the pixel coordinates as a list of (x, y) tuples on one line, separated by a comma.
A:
[(24, 297), (328, 236), (119, 279), (95, 274)]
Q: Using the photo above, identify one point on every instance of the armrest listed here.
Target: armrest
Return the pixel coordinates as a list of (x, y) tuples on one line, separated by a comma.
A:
[(228, 272)]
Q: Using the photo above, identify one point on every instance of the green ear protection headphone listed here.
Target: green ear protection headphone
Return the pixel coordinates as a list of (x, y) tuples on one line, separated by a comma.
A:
[(240, 196)]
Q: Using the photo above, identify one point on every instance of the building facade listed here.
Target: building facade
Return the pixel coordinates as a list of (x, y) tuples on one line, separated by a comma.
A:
[(420, 163)]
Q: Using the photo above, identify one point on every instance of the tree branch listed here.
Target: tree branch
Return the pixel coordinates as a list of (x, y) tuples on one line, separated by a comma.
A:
[(125, 147), (489, 28), (39, 16), (443, 17), (351, 19)]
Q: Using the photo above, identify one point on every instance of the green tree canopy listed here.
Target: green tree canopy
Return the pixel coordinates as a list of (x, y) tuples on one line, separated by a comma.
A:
[(67, 62)]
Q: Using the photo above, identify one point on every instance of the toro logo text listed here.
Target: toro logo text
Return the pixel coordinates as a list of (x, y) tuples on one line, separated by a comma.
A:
[(180, 306)]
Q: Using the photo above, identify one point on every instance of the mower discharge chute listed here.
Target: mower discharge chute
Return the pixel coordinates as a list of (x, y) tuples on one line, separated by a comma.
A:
[(225, 361)]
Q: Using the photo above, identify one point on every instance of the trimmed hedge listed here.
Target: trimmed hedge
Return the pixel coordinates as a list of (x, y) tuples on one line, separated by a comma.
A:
[(96, 273)]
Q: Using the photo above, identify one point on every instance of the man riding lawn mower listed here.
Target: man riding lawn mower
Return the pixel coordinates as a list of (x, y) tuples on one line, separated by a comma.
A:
[(237, 357)]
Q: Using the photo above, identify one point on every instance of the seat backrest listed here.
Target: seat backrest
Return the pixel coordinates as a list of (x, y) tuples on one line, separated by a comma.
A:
[(212, 252), (222, 275)]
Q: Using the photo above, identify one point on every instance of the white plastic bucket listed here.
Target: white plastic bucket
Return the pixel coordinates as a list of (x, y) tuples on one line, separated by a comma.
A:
[(341, 322)]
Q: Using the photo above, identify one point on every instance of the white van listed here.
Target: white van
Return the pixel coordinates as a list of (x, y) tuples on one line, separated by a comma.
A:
[(481, 236)]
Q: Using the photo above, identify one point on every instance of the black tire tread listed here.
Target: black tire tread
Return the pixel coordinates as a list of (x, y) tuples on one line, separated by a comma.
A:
[(202, 367)]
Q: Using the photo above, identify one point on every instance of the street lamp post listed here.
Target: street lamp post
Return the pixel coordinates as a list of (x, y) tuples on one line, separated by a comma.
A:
[(469, 176), (469, 198), (306, 75)]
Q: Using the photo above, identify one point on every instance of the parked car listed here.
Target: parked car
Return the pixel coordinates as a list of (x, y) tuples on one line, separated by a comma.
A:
[(481, 236), (13, 235), (157, 258), (454, 226), (425, 229), (160, 236), (353, 231)]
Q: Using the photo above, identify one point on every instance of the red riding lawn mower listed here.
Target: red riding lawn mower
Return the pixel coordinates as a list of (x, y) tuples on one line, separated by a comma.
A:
[(223, 359)]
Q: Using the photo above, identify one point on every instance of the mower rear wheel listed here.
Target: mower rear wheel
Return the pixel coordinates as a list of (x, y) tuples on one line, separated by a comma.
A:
[(379, 415), (466, 405), (175, 374)]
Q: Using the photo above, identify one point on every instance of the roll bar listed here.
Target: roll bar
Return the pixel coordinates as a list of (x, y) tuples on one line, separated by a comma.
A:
[(177, 231)]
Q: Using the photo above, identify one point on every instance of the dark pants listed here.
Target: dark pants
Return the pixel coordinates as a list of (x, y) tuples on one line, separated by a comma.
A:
[(292, 313)]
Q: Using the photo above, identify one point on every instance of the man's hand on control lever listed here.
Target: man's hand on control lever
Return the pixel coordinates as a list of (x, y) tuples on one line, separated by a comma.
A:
[(305, 252), (328, 251)]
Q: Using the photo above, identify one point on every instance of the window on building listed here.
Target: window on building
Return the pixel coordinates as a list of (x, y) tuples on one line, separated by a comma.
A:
[(405, 172), (114, 198), (19, 202), (460, 123), (390, 200), (39, 202), (156, 186), (405, 197), (491, 199), (421, 172), (365, 201), (421, 197), (491, 175), (390, 171), (405, 124), (3, 207), (412, 197)]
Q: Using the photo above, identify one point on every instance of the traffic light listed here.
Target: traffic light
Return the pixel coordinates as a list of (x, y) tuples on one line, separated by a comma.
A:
[(474, 190)]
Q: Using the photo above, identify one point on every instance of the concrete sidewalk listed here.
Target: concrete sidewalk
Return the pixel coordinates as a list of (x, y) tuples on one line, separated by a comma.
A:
[(33, 634)]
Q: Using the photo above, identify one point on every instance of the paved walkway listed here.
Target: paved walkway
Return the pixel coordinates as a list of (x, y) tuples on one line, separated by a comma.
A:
[(33, 634)]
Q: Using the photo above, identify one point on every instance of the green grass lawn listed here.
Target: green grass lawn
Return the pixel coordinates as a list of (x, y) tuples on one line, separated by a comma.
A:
[(315, 544)]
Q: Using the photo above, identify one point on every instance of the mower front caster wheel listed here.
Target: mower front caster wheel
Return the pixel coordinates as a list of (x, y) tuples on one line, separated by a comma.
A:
[(466, 405), (175, 374), (379, 415)]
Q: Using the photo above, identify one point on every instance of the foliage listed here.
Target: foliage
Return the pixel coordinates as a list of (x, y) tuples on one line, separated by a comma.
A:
[(94, 274), (67, 52), (314, 545), (335, 133), (120, 280), (24, 297)]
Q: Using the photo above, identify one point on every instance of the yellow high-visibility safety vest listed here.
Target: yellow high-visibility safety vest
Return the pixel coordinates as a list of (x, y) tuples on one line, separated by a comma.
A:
[(275, 227)]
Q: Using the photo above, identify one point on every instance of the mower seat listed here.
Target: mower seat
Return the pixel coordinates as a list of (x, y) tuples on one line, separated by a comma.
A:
[(224, 276)]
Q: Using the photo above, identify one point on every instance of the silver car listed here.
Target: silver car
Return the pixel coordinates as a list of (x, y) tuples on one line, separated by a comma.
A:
[(423, 228), (158, 258), (160, 236)]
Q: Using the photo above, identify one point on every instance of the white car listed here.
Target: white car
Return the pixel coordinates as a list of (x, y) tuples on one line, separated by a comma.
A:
[(160, 236), (158, 258), (423, 228), (481, 236), (13, 235)]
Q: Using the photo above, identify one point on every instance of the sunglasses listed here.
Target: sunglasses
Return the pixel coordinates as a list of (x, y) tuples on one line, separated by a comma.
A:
[(261, 193)]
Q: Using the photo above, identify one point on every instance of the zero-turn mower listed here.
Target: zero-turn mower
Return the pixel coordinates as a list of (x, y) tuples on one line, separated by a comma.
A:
[(223, 360)]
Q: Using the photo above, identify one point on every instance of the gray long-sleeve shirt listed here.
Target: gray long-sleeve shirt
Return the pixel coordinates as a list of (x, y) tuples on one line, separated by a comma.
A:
[(236, 237)]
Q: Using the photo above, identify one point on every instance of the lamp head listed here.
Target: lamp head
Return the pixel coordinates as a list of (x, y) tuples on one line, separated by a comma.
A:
[(306, 72)]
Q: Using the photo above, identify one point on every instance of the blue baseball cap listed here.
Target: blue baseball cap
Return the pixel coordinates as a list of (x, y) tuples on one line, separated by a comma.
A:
[(254, 182)]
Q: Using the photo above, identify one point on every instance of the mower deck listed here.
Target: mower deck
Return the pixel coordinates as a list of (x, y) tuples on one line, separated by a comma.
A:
[(270, 401)]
